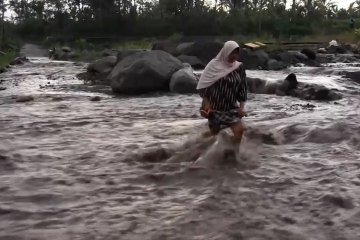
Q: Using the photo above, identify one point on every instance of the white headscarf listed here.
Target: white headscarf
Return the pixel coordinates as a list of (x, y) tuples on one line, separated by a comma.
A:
[(219, 67)]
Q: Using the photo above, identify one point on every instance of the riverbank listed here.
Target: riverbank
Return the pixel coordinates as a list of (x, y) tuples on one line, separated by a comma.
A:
[(6, 58)]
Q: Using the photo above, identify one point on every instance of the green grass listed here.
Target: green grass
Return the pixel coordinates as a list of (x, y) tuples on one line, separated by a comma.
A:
[(133, 45), (5, 59)]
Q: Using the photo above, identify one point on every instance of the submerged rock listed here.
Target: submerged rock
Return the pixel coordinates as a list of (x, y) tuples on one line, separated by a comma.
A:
[(95, 99), (99, 70), (339, 201), (19, 61), (315, 92), (24, 98)]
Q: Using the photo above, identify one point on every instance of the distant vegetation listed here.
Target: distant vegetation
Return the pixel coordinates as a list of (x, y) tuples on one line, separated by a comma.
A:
[(98, 20)]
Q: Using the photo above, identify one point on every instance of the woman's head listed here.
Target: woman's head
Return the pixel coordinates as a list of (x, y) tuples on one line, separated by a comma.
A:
[(230, 52), (234, 55)]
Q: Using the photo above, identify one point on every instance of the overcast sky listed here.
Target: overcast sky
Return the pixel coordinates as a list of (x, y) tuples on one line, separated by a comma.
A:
[(341, 3)]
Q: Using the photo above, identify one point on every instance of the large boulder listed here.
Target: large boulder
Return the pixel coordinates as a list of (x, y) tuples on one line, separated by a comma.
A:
[(184, 48), (204, 50), (144, 72), (183, 81), (128, 52), (195, 62), (254, 59), (165, 46), (109, 52)]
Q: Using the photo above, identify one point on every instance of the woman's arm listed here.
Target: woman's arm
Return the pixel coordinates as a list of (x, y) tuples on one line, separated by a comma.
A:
[(206, 103), (242, 91)]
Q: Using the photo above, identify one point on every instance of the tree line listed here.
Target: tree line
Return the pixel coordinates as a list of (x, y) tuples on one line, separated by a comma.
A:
[(78, 18)]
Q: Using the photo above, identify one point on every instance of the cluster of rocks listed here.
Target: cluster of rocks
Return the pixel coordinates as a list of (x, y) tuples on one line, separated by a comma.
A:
[(145, 71), (142, 71)]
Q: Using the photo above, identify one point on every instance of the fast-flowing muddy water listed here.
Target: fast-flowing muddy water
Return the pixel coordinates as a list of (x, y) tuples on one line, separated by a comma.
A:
[(71, 168)]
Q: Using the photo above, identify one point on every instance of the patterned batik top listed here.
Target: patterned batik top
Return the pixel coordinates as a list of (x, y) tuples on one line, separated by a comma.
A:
[(225, 94)]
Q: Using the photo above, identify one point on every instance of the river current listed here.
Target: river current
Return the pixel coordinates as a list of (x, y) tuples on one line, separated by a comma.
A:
[(120, 168)]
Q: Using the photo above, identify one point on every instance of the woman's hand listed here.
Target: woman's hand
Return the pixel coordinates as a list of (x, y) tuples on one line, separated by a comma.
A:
[(242, 112)]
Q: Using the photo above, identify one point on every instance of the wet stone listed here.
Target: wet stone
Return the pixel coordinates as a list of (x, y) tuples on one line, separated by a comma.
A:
[(95, 99), (339, 201), (24, 98)]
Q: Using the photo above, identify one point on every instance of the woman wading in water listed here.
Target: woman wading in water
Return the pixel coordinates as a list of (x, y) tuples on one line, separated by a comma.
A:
[(223, 88)]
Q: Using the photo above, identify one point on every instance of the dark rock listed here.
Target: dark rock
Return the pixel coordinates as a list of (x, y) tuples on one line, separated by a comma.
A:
[(109, 52), (165, 46), (301, 57), (184, 48), (24, 98), (312, 63), (345, 58), (2, 88), (289, 58), (336, 49), (192, 60), (355, 76), (309, 53), (316, 92), (19, 61), (204, 50), (128, 52), (254, 59), (2, 70), (66, 49), (273, 64), (144, 72), (183, 81), (95, 99), (339, 201)]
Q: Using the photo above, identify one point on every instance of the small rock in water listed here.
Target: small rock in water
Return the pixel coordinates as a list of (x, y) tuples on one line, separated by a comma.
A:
[(289, 220), (329, 223), (24, 98), (95, 99), (339, 201), (2, 88), (57, 99)]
